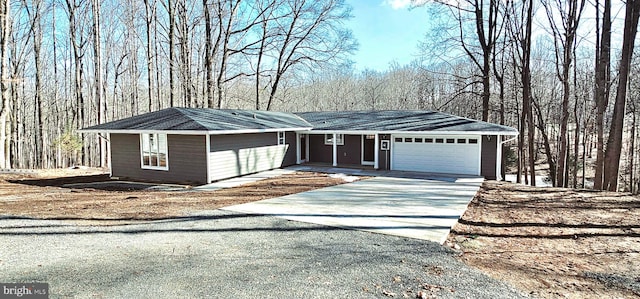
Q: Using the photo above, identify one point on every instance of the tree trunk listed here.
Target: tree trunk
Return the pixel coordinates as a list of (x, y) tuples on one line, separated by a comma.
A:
[(614, 144), (149, 13), (526, 92), (208, 56), (5, 22), (172, 25), (78, 74), (632, 152), (601, 93), (97, 66)]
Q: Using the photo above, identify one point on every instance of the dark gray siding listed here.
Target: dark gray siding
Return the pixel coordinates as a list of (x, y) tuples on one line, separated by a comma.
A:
[(187, 159), (240, 154), (291, 156), (350, 153), (318, 151), (488, 156)]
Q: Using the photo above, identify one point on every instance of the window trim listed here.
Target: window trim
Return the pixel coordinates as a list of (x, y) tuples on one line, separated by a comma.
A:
[(164, 150), (328, 137), (282, 138)]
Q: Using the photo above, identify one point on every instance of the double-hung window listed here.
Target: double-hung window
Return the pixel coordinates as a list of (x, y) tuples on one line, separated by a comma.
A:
[(281, 138), (328, 139), (154, 151)]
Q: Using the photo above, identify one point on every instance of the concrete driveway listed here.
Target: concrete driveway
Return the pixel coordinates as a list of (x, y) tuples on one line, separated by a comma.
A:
[(409, 207)]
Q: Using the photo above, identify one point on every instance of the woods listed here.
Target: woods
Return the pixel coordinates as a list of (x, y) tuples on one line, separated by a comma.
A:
[(555, 69)]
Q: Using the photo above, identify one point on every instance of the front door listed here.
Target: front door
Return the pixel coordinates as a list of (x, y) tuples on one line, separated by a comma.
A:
[(368, 148)]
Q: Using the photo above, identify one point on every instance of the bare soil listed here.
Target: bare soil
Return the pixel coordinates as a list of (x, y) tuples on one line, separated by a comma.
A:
[(46, 195), (549, 242), (553, 242)]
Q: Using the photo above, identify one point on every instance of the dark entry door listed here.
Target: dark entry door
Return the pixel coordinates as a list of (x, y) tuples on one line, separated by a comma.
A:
[(368, 147)]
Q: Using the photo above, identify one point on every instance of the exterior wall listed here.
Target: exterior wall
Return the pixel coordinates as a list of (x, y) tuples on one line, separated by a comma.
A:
[(348, 154), (291, 155), (318, 151), (351, 152), (187, 159), (241, 154), (489, 156)]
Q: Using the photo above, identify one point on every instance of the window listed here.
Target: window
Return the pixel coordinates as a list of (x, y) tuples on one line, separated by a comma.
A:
[(451, 140), (462, 140), (281, 138), (398, 139), (154, 151), (418, 140), (428, 140), (473, 141), (328, 139), (439, 140), (408, 140)]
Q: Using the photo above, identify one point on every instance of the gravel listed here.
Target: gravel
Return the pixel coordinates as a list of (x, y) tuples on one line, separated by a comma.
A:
[(227, 255)]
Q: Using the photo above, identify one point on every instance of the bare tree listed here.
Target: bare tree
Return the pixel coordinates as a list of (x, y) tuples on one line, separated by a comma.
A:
[(78, 43), (150, 13), (523, 18), (602, 77), (308, 36), (614, 143), (5, 24), (99, 85), (564, 35)]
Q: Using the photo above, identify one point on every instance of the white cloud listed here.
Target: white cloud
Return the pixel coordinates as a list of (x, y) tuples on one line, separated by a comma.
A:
[(397, 4), (402, 4)]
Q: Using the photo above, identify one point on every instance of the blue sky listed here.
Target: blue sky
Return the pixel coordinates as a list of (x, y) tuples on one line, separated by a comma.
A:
[(387, 31)]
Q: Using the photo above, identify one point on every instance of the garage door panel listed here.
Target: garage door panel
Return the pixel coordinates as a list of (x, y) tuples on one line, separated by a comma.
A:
[(459, 158)]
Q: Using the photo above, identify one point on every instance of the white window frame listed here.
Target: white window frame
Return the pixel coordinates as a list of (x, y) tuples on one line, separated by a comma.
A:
[(281, 138), (159, 148), (328, 139)]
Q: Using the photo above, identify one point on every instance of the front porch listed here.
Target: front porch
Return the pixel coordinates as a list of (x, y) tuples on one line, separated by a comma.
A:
[(345, 150)]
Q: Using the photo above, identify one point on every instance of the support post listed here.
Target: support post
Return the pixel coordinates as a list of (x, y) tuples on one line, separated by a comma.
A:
[(376, 153), (335, 149), (298, 149)]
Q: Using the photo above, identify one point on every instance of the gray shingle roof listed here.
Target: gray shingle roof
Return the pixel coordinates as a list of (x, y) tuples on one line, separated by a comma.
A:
[(229, 120), (203, 119), (399, 121)]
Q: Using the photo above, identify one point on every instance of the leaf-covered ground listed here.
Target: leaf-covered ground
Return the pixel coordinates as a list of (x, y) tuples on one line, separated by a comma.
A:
[(553, 242)]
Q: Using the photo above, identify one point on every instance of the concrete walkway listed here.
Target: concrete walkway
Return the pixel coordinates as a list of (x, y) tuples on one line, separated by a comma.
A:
[(408, 207)]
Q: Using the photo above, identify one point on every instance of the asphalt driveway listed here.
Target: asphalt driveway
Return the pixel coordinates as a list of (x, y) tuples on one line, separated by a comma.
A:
[(222, 254), (418, 208)]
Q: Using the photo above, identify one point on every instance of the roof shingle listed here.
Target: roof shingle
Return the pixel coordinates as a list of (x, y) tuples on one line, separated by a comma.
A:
[(203, 119), (398, 121), (229, 120)]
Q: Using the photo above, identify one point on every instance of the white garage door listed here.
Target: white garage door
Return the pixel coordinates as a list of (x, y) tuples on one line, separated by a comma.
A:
[(442, 154)]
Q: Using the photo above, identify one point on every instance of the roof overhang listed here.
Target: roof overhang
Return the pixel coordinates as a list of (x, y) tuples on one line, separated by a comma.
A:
[(369, 132), (195, 132)]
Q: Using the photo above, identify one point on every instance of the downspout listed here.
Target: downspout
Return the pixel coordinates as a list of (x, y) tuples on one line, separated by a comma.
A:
[(108, 139), (208, 158)]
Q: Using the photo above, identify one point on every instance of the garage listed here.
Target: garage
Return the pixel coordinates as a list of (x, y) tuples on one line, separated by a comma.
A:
[(436, 153)]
